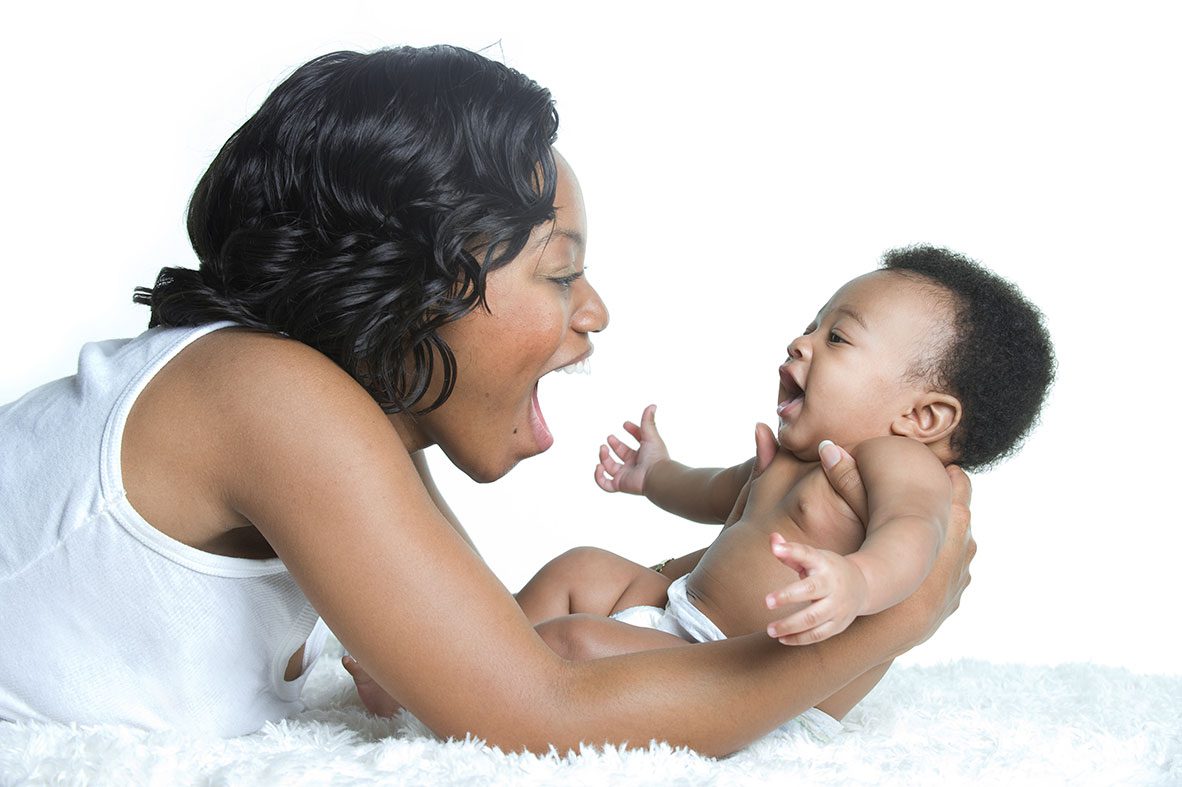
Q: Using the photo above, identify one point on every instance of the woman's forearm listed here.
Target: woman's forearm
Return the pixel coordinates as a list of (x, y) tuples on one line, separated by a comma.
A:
[(714, 698), (719, 696)]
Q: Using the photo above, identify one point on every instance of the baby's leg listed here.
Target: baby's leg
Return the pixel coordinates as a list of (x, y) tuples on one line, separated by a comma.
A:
[(593, 581), (580, 637)]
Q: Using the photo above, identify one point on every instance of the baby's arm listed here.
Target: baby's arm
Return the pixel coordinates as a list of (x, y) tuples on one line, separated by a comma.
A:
[(909, 495), (700, 494)]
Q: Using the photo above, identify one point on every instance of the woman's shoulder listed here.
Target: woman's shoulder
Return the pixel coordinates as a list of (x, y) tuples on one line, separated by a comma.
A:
[(241, 366), (244, 407), (242, 420)]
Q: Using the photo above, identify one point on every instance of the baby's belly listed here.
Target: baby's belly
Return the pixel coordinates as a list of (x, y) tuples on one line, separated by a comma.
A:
[(731, 582)]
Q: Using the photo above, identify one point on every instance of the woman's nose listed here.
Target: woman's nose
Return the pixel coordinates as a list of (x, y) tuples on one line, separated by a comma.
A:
[(591, 316)]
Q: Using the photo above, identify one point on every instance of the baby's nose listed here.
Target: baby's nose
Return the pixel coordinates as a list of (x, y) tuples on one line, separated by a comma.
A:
[(799, 349)]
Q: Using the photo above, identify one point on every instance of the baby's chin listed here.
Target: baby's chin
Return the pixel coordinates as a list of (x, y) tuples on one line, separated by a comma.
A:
[(804, 450)]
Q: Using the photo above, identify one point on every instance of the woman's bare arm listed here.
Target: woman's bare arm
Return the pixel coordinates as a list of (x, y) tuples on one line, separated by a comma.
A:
[(319, 470), (424, 469)]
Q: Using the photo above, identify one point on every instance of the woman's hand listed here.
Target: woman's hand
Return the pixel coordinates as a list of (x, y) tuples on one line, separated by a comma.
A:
[(921, 614), (628, 474), (375, 699), (939, 595)]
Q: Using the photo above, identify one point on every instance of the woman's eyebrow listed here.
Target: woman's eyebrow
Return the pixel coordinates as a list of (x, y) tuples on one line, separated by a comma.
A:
[(574, 236)]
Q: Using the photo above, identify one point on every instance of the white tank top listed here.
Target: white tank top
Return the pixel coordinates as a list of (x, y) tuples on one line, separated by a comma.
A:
[(103, 618)]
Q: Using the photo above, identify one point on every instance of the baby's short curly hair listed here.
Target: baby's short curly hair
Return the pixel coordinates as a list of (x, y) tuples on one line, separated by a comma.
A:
[(999, 362)]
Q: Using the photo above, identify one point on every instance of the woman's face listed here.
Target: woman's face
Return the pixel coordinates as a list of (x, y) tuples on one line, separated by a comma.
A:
[(542, 311)]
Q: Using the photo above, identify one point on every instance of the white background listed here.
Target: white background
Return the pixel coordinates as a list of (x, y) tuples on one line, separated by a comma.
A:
[(739, 163)]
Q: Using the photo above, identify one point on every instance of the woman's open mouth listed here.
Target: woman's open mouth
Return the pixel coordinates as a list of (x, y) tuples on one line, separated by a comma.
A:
[(537, 422), (541, 430)]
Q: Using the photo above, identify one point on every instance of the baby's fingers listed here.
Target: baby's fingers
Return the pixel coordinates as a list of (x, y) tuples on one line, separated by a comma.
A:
[(812, 617), (622, 450), (812, 636), (609, 464), (603, 481), (806, 589), (801, 558)]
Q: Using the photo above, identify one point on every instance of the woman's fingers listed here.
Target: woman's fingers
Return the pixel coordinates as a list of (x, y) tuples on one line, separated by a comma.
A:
[(765, 448), (375, 699), (939, 595), (843, 475), (962, 486), (959, 524)]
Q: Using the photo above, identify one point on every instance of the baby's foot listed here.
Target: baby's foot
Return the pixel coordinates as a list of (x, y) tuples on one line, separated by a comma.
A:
[(373, 697)]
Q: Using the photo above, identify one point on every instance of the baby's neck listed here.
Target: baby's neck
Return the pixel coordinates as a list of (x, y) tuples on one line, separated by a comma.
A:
[(940, 448)]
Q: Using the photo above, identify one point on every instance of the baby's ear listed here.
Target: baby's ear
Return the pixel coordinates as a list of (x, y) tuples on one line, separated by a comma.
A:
[(934, 417)]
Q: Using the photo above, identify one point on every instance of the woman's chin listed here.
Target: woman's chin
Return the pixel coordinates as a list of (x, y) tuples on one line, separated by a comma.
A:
[(484, 470)]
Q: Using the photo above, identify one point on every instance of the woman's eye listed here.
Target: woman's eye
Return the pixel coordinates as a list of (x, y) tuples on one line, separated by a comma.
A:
[(566, 281)]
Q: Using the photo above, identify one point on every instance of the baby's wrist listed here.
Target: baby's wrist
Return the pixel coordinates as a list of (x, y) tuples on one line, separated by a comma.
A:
[(862, 579), (653, 477)]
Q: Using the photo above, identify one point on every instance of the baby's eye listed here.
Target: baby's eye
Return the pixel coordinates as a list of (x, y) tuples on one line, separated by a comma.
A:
[(834, 338)]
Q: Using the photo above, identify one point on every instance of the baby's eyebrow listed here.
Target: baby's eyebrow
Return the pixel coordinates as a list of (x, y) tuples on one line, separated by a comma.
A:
[(855, 315)]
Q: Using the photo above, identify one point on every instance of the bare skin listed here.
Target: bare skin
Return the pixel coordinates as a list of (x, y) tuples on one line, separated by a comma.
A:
[(278, 442), (849, 374), (570, 598)]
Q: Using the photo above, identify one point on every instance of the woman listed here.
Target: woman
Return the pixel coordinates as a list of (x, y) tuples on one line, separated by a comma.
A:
[(391, 257)]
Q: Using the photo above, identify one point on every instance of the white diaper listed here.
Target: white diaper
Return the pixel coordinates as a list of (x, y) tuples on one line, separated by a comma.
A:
[(679, 617), (682, 619)]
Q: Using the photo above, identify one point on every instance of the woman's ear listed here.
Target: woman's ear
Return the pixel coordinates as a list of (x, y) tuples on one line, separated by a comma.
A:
[(935, 416)]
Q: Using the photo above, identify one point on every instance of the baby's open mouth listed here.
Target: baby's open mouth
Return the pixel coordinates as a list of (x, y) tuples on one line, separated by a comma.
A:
[(790, 391)]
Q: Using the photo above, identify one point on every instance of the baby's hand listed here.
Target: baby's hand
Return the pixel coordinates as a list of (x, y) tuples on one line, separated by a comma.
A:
[(629, 472), (833, 584)]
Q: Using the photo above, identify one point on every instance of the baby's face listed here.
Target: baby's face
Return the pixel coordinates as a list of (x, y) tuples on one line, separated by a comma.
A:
[(852, 374)]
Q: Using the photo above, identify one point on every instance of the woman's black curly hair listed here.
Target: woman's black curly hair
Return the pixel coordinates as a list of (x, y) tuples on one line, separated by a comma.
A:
[(999, 362), (347, 212)]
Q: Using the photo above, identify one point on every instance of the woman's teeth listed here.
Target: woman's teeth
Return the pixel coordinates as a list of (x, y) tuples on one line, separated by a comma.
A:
[(582, 367)]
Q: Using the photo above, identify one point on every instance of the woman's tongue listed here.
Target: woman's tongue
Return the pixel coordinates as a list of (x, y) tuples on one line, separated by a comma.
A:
[(537, 421)]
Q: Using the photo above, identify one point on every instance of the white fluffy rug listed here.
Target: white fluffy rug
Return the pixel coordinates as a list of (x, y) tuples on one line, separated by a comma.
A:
[(968, 722)]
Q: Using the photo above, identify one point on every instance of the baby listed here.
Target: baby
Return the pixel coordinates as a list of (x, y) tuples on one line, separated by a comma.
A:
[(930, 361)]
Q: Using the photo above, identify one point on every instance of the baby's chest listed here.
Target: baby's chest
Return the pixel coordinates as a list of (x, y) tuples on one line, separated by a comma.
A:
[(825, 520)]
